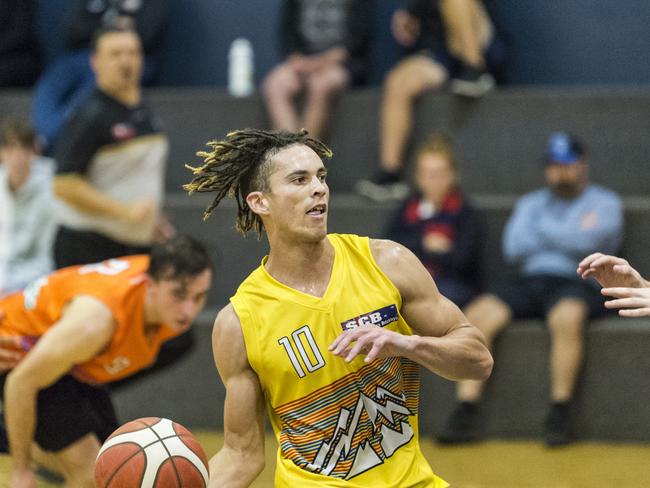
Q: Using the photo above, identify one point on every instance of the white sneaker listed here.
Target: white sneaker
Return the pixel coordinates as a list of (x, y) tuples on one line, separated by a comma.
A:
[(382, 192)]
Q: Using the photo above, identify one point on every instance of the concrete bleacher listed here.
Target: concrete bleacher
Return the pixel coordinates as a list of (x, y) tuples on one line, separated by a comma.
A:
[(499, 140)]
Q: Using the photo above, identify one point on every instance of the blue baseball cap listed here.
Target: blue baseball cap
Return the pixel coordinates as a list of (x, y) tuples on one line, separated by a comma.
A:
[(563, 148)]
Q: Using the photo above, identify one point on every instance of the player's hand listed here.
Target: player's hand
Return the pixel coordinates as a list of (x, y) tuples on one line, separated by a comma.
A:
[(630, 302), (10, 353), (405, 27), (372, 341), (610, 271), (23, 478), (436, 242)]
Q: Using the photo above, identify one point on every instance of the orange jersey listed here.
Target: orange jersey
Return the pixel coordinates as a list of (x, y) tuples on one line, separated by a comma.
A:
[(120, 285)]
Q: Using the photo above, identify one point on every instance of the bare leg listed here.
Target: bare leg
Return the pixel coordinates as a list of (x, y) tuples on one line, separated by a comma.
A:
[(491, 315), (278, 89), (566, 322), (322, 87), (469, 29), (76, 462), (404, 83)]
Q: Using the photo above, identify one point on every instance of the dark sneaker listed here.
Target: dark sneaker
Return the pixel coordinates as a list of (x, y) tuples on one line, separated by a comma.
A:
[(472, 82), (557, 426), (382, 192), (462, 425), (49, 476)]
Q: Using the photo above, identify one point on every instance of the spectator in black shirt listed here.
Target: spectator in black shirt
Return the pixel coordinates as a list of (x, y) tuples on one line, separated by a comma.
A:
[(69, 79), (111, 159), (326, 48)]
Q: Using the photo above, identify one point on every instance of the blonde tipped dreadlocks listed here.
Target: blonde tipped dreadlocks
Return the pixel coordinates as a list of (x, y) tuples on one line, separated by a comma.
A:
[(240, 164)]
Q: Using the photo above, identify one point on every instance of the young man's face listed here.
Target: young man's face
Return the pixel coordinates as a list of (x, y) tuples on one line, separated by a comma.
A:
[(15, 156), (117, 61), (178, 302), (297, 201)]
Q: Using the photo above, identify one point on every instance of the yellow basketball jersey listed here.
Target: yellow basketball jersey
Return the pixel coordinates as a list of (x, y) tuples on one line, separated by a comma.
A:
[(338, 424)]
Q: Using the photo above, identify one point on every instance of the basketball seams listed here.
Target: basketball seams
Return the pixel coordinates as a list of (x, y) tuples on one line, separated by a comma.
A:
[(169, 456), (122, 464)]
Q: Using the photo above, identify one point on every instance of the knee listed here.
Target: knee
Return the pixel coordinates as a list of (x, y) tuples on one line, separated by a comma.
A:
[(567, 317), (280, 84), (325, 88), (401, 83), (413, 77), (490, 314)]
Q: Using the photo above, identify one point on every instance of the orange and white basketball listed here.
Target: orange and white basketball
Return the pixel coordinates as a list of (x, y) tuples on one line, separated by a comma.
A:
[(151, 453)]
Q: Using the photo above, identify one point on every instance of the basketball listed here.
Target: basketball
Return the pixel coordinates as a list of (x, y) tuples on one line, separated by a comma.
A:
[(151, 453)]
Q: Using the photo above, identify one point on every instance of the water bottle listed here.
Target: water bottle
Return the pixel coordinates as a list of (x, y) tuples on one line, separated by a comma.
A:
[(240, 68)]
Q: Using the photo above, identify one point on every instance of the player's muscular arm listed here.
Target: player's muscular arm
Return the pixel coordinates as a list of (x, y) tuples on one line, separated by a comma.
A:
[(444, 341), (241, 459), (85, 328)]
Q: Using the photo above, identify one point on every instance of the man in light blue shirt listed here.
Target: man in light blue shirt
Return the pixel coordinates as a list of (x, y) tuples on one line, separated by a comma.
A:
[(548, 234), (27, 222)]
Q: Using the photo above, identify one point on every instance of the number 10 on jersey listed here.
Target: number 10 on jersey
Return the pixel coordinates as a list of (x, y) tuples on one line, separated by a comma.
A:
[(301, 340)]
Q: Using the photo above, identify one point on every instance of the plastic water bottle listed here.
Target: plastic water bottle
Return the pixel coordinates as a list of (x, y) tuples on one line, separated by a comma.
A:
[(240, 68)]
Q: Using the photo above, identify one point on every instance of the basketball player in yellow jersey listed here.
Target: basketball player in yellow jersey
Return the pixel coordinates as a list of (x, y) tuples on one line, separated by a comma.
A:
[(327, 333)]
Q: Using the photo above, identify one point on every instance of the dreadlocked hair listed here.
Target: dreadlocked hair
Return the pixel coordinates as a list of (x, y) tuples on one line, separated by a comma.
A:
[(239, 164)]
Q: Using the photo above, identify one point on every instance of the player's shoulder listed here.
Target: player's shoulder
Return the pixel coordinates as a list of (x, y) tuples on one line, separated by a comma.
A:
[(390, 253), (227, 324), (602, 193)]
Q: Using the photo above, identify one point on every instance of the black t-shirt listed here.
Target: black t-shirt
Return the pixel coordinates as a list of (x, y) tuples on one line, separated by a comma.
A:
[(100, 121), (121, 152), (313, 26)]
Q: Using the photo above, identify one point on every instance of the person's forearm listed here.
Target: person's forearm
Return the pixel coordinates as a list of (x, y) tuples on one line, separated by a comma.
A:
[(20, 416), (461, 355), (232, 469), (76, 192)]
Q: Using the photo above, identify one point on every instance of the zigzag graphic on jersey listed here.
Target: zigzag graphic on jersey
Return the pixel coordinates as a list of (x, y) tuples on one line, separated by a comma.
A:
[(353, 425)]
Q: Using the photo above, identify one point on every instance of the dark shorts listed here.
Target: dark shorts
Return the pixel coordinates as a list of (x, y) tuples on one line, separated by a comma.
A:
[(68, 410), (535, 296)]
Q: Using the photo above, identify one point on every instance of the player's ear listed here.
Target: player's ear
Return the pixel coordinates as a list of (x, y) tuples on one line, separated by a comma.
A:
[(148, 279), (258, 203)]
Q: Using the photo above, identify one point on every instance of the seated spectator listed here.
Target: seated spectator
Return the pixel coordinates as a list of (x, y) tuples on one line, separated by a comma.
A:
[(19, 57), (69, 79), (111, 162), (439, 225), (547, 235), (326, 48), (27, 222), (444, 38), (629, 290)]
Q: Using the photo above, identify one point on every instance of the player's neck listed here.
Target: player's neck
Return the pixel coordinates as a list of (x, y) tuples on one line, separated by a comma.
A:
[(303, 267), (129, 97)]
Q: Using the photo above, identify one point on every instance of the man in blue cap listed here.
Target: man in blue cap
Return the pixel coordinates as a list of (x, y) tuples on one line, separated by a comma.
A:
[(547, 235)]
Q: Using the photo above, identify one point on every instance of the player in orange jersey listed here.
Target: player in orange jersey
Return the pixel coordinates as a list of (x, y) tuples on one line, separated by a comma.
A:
[(78, 329)]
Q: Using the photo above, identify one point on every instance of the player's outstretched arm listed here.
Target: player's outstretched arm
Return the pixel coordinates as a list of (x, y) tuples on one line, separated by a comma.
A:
[(85, 328), (444, 341), (611, 271), (241, 459)]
